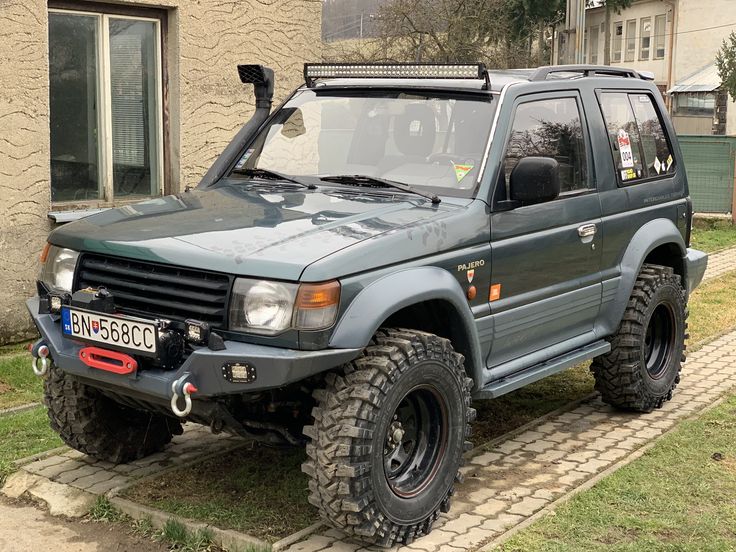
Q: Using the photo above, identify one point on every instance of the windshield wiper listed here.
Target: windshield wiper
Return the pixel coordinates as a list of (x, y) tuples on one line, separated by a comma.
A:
[(363, 180), (268, 174)]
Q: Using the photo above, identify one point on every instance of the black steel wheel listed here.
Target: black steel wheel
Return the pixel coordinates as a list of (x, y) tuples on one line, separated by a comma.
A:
[(660, 340), (388, 437), (415, 441), (643, 367)]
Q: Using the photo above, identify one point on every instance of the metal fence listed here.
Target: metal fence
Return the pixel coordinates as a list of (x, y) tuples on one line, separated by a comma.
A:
[(710, 162)]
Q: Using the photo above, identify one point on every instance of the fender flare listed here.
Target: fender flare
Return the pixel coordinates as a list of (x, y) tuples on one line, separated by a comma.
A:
[(650, 236), (389, 294)]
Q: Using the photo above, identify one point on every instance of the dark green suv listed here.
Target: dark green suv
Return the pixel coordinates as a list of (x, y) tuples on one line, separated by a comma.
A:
[(391, 243)]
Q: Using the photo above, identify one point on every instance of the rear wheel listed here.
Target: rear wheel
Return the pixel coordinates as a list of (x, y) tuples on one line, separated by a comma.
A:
[(94, 424), (643, 367), (388, 437)]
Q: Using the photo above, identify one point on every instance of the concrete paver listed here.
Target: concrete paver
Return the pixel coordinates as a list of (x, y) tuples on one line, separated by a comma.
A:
[(525, 473)]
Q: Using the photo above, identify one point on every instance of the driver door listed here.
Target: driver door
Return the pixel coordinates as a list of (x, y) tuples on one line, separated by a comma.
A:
[(546, 281)]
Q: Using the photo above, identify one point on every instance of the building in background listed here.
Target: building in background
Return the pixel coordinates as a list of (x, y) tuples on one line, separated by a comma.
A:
[(104, 104), (677, 41)]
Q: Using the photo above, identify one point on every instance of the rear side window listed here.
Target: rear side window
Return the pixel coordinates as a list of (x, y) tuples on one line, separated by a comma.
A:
[(637, 137), (550, 128)]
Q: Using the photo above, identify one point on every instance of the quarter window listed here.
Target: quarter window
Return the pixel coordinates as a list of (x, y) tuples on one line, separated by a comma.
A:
[(105, 81), (550, 128), (637, 136)]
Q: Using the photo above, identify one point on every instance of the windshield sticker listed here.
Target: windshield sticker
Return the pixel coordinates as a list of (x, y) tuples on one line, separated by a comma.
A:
[(628, 174), (624, 146), (461, 171), (669, 163), (244, 159), (657, 165)]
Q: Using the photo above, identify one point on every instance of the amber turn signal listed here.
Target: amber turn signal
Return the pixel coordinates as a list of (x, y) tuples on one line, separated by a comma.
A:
[(45, 253), (318, 296)]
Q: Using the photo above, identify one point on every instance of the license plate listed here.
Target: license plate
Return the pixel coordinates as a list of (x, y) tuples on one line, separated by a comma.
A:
[(130, 334)]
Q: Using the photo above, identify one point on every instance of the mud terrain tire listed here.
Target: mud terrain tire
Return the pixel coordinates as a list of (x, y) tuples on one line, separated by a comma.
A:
[(94, 424), (378, 480), (643, 367)]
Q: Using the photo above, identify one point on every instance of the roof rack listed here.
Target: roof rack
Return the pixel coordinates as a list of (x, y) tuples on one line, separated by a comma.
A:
[(542, 73), (314, 71)]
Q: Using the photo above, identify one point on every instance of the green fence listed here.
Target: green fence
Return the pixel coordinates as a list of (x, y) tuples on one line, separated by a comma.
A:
[(710, 161)]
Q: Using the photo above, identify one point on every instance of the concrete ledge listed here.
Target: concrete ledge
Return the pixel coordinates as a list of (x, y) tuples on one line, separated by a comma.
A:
[(61, 500), (226, 538)]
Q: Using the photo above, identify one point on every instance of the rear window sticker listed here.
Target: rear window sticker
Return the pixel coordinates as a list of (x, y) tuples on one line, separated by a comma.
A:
[(628, 174), (657, 165), (624, 147)]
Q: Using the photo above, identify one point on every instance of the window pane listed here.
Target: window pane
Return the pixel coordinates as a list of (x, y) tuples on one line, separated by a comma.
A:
[(654, 143), (646, 37), (594, 45), (630, 40), (659, 36), (133, 87), (550, 128), (73, 73), (623, 135), (618, 35)]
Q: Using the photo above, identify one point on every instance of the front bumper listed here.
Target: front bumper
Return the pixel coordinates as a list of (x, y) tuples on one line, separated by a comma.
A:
[(695, 264), (275, 367)]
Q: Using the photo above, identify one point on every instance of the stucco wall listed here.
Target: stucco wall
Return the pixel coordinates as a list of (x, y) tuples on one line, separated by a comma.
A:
[(207, 104)]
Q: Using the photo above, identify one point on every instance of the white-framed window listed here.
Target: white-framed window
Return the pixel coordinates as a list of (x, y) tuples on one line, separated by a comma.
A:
[(660, 31), (586, 45), (593, 44), (645, 29), (630, 40), (618, 39), (106, 107)]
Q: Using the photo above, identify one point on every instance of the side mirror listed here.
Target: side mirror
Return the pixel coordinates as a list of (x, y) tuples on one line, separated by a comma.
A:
[(535, 180)]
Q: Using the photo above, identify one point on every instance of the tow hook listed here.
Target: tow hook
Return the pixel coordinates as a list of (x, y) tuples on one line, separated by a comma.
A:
[(182, 388), (40, 362)]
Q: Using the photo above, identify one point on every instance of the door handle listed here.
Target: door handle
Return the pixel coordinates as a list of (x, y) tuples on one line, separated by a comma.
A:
[(587, 230)]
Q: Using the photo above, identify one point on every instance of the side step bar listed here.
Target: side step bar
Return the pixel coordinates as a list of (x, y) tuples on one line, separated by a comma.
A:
[(558, 364)]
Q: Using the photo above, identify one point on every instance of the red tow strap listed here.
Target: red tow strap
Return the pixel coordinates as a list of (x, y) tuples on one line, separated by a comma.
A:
[(110, 361)]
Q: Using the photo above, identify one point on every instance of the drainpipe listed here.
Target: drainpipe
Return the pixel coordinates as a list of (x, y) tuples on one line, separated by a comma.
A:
[(670, 69)]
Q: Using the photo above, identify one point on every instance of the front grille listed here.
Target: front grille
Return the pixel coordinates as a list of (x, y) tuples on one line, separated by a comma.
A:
[(150, 289)]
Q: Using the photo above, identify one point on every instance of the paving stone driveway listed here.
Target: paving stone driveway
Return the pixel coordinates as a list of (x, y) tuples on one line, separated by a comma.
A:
[(505, 483), (509, 482)]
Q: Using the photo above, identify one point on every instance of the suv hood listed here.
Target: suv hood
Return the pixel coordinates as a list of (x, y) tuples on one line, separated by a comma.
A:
[(251, 229)]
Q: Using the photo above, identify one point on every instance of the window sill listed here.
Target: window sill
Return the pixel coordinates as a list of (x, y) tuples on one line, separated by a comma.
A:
[(61, 217)]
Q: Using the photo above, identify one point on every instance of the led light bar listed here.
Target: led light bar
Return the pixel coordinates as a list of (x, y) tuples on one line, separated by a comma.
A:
[(314, 71)]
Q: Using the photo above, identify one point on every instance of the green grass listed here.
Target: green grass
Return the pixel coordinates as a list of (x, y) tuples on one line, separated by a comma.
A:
[(260, 491), (712, 309), (18, 384), (713, 234), (680, 495), (22, 435)]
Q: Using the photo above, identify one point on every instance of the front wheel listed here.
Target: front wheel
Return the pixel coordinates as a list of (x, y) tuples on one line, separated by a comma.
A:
[(643, 367), (94, 424), (388, 437)]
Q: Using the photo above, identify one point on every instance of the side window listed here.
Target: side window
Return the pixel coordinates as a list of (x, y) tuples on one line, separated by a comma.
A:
[(637, 137), (550, 128)]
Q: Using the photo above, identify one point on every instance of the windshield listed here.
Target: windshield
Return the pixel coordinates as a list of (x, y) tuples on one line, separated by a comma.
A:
[(426, 140)]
